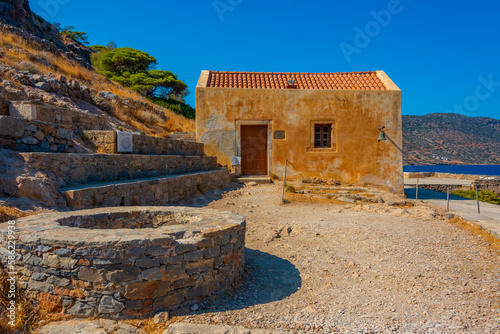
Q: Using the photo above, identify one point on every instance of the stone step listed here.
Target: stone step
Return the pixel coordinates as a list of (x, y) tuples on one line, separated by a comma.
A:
[(106, 142), (148, 191), (257, 179), (73, 168)]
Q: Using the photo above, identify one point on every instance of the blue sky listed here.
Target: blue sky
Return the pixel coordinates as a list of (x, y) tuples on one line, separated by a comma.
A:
[(444, 55)]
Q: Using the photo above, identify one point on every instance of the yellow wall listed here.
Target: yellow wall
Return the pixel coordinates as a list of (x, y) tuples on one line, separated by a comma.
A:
[(358, 159)]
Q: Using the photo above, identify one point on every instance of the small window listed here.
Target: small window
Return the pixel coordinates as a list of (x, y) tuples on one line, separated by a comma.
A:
[(322, 135)]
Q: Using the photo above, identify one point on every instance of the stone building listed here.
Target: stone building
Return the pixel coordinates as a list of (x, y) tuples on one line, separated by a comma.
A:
[(325, 125)]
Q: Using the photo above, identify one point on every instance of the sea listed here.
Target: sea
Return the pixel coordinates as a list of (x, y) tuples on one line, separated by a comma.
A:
[(491, 170)]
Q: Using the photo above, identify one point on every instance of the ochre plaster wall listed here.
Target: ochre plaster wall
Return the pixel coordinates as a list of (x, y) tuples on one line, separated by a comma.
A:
[(359, 157)]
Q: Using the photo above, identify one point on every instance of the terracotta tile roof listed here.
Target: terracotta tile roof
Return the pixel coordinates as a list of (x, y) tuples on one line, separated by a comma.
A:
[(275, 80)]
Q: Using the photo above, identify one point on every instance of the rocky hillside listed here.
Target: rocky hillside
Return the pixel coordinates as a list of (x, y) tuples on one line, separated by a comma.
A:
[(39, 65), (18, 18), (450, 139)]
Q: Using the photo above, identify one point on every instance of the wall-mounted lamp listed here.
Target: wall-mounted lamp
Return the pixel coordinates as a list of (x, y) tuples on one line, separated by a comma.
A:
[(381, 135)]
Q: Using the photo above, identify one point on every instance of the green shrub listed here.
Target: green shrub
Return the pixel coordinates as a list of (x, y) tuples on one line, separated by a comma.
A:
[(484, 196), (69, 31), (289, 188), (178, 107)]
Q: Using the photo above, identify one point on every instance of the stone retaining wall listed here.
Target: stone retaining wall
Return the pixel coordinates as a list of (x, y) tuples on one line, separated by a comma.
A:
[(485, 183), (153, 191), (25, 135), (31, 110), (72, 169), (458, 176), (489, 185), (105, 142), (173, 256), (37, 136), (443, 188), (421, 175)]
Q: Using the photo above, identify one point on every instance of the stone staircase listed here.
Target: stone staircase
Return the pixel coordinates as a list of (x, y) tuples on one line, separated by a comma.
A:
[(156, 191), (79, 153)]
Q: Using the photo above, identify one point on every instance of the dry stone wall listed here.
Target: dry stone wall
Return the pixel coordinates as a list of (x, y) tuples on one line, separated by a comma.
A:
[(105, 142), (444, 187), (48, 113), (489, 185), (37, 136), (457, 176), (145, 260), (485, 183), (27, 135)]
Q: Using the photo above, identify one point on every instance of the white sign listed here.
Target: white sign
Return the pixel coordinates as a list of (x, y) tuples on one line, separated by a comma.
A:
[(235, 160), (124, 142)]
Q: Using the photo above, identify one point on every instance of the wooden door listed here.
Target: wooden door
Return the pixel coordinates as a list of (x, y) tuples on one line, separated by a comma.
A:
[(254, 149)]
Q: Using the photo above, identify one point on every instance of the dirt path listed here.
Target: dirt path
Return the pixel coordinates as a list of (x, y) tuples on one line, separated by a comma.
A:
[(321, 267)]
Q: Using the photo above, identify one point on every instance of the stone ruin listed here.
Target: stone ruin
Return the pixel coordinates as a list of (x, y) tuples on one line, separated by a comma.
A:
[(127, 262)]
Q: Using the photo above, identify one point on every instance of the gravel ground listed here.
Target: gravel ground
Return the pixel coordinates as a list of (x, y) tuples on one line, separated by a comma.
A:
[(320, 266)]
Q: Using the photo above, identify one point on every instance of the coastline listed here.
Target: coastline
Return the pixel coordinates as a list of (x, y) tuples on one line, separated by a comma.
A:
[(477, 171)]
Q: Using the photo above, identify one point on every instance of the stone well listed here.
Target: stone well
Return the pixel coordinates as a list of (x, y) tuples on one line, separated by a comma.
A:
[(127, 262)]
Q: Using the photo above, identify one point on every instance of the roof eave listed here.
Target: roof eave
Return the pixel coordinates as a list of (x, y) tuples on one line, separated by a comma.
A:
[(388, 83)]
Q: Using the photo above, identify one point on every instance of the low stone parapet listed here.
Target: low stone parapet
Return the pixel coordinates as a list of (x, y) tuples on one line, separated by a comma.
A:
[(458, 176), (418, 175), (444, 187), (105, 142), (421, 175), (123, 263)]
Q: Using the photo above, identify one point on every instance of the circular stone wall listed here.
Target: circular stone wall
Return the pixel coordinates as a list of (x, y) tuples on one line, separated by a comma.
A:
[(127, 262)]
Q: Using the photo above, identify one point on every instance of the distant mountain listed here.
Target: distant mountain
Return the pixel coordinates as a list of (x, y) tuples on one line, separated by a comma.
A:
[(442, 138)]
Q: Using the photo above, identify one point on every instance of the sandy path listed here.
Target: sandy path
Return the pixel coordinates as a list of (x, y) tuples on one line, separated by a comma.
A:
[(314, 267)]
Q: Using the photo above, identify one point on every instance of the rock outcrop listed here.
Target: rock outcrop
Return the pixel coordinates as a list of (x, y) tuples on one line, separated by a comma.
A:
[(17, 17)]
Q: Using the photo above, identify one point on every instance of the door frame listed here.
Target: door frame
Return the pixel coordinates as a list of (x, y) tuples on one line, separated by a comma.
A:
[(269, 123)]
